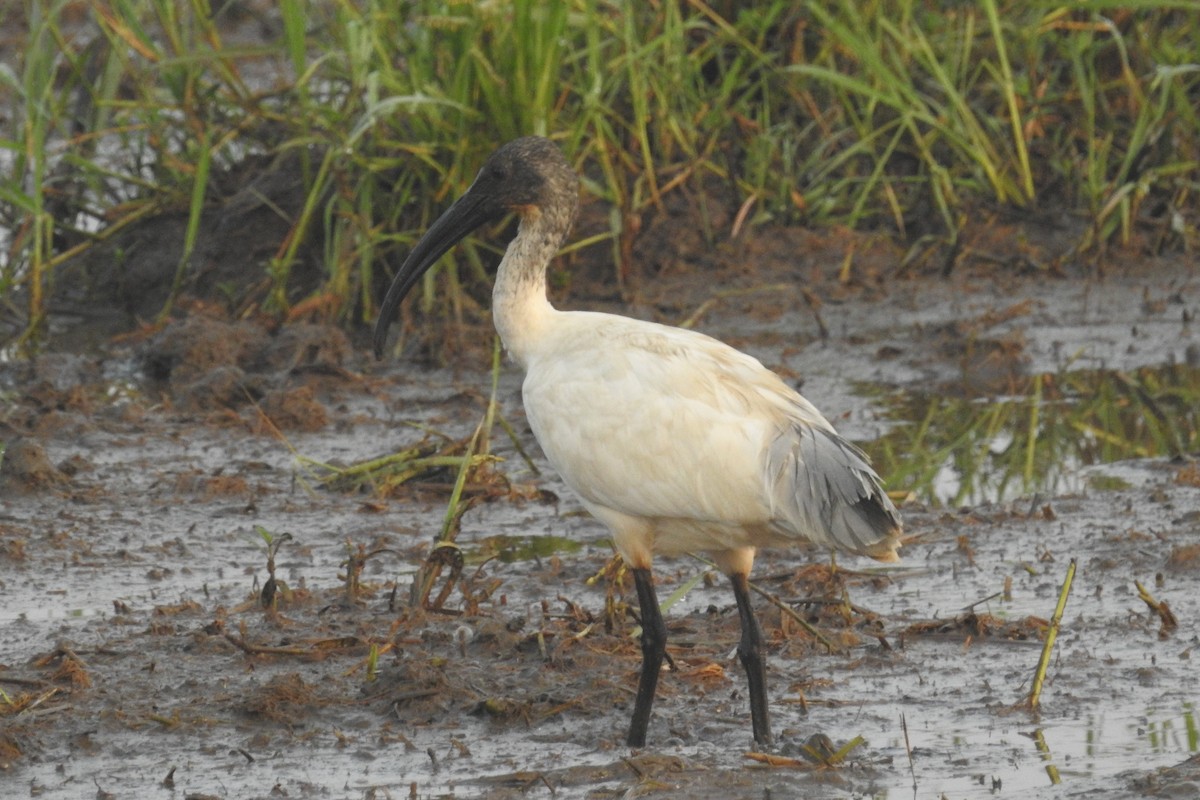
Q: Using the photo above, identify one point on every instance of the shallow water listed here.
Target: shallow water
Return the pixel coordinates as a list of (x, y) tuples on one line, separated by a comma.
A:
[(155, 540), (1038, 438)]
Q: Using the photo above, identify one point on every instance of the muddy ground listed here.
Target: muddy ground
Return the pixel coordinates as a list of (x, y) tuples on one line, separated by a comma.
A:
[(137, 659)]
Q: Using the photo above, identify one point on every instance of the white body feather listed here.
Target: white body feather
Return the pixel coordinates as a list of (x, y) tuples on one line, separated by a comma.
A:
[(676, 441)]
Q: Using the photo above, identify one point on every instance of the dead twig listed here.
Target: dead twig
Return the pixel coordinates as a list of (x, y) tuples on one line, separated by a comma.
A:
[(1159, 607), (258, 649), (912, 770), (790, 612)]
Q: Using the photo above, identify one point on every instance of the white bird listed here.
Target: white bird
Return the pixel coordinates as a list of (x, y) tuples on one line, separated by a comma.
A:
[(672, 439)]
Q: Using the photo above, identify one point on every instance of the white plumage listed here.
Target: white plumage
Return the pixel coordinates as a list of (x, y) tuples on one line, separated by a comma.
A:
[(675, 427), (672, 439)]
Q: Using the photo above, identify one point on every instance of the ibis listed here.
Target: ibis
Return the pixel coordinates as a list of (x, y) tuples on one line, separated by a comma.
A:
[(673, 440)]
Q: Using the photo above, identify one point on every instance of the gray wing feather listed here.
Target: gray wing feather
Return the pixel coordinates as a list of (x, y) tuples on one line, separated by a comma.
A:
[(823, 488)]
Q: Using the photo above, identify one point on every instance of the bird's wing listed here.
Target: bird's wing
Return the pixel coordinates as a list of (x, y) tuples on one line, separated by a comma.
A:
[(660, 422)]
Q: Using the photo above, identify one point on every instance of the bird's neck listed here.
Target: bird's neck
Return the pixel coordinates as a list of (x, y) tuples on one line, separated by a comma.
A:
[(520, 309)]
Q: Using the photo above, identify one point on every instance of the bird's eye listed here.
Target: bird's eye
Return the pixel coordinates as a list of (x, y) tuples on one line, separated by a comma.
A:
[(499, 173)]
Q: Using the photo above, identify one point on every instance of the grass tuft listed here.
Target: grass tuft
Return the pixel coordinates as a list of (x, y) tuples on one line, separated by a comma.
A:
[(902, 116)]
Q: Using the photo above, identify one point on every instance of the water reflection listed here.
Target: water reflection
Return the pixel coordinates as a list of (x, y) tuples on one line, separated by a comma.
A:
[(1164, 735), (1039, 738), (952, 449), (1077, 755), (509, 549)]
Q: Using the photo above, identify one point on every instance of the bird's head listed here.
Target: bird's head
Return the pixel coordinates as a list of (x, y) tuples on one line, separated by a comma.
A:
[(527, 176)]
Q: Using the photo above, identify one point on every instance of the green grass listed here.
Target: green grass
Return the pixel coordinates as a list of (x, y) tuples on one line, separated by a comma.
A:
[(886, 114)]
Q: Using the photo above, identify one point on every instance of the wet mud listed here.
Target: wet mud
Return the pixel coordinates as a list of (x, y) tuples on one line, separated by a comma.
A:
[(141, 482)]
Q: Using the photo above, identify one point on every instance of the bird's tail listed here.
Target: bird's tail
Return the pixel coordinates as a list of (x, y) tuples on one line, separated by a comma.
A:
[(824, 489)]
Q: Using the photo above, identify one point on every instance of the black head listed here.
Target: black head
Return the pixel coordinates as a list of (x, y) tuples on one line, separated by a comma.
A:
[(526, 173), (526, 176)]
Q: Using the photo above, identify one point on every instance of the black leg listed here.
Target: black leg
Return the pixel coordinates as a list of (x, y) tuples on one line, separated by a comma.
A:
[(750, 650), (654, 648)]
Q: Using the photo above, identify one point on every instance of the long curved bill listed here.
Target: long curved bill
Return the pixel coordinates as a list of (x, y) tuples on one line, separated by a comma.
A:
[(463, 216)]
